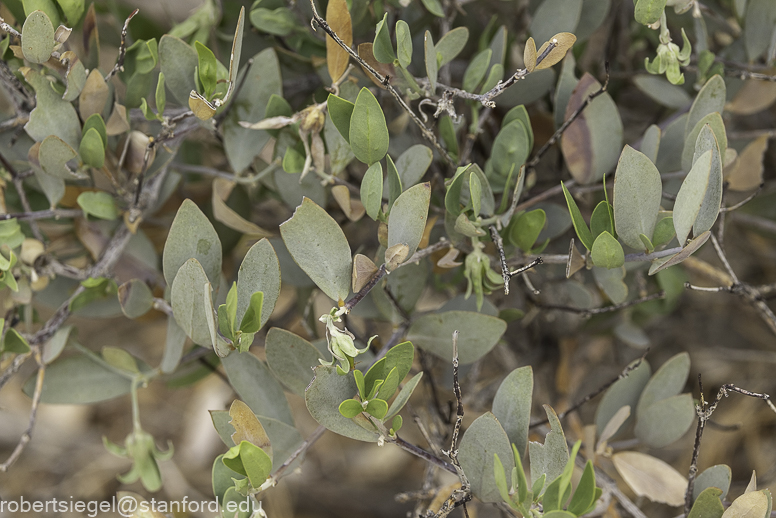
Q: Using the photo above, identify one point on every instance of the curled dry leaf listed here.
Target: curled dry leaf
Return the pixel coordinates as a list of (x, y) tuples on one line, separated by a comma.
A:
[(338, 18), (222, 188), (753, 97), (133, 152), (93, 96), (449, 259), (651, 477), (201, 107), (576, 260), (247, 427), (31, 250), (363, 270), (753, 504), (563, 41), (396, 255), (117, 122)]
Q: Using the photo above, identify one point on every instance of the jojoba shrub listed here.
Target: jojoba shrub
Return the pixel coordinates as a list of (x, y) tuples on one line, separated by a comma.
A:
[(470, 245)]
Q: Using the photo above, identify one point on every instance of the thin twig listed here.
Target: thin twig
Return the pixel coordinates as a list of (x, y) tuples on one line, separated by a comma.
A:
[(624, 374), (526, 267), (4, 26), (744, 201), (500, 247), (567, 122), (317, 434), (384, 80), (119, 66), (18, 184), (42, 214), (605, 309), (211, 171), (704, 410), (463, 494), (27, 435)]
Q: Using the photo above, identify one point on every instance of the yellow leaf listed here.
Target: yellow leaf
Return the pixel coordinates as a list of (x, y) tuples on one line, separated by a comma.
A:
[(563, 41), (529, 55), (749, 505), (247, 427), (201, 107), (338, 18)]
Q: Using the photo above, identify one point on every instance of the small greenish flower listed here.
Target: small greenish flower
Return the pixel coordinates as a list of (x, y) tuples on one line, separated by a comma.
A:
[(139, 447), (341, 342), (480, 277), (669, 57)]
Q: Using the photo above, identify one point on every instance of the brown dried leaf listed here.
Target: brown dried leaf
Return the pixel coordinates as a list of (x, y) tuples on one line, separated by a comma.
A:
[(576, 260), (93, 96), (753, 97), (651, 477), (353, 209), (247, 427), (529, 55), (363, 270), (117, 122), (396, 255), (338, 18), (318, 151), (386, 69), (222, 188), (747, 171), (563, 42), (753, 504)]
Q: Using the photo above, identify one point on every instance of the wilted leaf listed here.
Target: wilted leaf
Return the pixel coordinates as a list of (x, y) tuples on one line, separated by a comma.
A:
[(689, 249), (247, 427), (651, 477)]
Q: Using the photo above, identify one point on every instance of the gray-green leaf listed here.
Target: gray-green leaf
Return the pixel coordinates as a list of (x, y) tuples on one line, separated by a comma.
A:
[(512, 405), (320, 248), (478, 334), (408, 217), (484, 438), (637, 195), (192, 236)]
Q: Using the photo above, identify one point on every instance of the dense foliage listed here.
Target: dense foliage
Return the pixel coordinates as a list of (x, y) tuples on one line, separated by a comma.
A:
[(348, 213)]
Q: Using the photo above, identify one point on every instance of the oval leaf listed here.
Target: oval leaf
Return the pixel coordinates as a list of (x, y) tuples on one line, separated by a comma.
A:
[(320, 248), (408, 217), (478, 334), (192, 236), (484, 438), (637, 195), (368, 132), (512, 405), (651, 477)]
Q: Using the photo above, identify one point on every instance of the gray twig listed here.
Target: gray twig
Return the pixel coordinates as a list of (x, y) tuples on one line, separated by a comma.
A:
[(119, 66), (384, 80)]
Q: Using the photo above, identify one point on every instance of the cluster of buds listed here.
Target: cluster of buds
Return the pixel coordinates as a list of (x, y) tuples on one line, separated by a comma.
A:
[(669, 57)]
